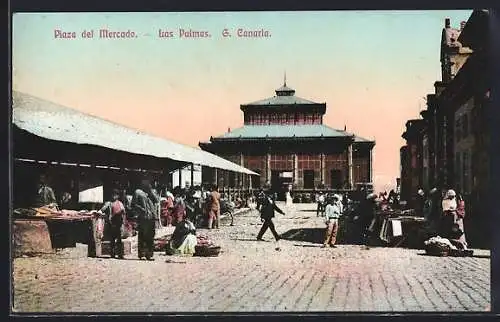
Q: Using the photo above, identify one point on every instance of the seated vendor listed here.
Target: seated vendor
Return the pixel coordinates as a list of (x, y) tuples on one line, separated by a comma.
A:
[(183, 241), (45, 196)]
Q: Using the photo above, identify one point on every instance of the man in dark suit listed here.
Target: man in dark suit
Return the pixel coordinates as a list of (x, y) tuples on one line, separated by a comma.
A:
[(266, 209)]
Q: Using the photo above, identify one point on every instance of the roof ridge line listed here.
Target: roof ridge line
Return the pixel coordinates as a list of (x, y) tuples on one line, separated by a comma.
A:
[(142, 132)]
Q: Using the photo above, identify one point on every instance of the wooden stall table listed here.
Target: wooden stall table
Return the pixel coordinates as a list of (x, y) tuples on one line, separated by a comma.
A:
[(67, 231), (400, 228), (45, 234), (402, 231), (31, 237)]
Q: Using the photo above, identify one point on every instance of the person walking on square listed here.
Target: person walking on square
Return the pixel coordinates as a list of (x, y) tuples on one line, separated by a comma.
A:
[(143, 205), (333, 211), (267, 209)]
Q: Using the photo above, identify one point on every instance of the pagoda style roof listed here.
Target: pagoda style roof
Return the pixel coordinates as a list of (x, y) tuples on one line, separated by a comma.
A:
[(287, 131), (359, 139), (281, 100), (284, 96)]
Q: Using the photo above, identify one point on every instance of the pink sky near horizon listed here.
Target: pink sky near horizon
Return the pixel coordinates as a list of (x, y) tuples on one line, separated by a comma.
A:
[(373, 98)]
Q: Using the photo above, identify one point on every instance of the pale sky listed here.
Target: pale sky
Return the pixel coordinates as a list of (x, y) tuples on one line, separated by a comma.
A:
[(372, 68)]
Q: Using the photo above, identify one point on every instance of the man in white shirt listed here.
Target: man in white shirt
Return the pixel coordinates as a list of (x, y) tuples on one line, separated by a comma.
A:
[(333, 211)]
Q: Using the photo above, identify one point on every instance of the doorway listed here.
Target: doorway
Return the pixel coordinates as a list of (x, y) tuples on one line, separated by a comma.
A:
[(336, 179), (308, 179), (256, 179), (280, 182)]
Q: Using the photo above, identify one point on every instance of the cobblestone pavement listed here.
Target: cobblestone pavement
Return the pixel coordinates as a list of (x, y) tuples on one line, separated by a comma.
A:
[(256, 276)]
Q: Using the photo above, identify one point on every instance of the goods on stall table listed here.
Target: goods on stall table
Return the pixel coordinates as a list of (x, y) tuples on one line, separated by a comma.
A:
[(204, 246)]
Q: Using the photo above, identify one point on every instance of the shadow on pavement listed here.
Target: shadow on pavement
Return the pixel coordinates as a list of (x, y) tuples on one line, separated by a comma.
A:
[(473, 256), (311, 235), (313, 246), (249, 239), (314, 236), (481, 256)]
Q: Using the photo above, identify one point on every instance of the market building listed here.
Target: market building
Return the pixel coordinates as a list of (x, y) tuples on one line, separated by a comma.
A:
[(285, 140), (87, 157), (450, 144)]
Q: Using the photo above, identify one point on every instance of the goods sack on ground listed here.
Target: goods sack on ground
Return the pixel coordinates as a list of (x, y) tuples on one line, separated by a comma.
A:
[(205, 247), (438, 246), (160, 243)]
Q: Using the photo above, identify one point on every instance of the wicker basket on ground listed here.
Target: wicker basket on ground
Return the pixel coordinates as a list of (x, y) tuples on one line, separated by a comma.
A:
[(435, 249), (207, 251)]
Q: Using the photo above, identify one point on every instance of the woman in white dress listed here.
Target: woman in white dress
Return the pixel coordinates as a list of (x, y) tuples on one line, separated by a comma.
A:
[(289, 200)]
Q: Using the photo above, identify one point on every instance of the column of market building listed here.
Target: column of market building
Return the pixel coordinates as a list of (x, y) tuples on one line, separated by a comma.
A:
[(295, 169), (268, 168), (349, 165), (322, 169)]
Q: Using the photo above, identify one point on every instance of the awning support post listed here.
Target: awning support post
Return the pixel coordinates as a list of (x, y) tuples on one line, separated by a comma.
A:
[(192, 174)]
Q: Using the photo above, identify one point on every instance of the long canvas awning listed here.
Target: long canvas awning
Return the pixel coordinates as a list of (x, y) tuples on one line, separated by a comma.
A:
[(59, 123)]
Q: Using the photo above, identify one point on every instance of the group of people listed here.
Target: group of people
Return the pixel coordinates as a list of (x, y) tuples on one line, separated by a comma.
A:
[(322, 201), (445, 213), (178, 209), (360, 212)]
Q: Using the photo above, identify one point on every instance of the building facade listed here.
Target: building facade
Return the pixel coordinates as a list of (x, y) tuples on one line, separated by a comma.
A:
[(453, 135), (284, 140)]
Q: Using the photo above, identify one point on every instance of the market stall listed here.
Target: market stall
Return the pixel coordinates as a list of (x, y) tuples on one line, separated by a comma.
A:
[(399, 228), (43, 230)]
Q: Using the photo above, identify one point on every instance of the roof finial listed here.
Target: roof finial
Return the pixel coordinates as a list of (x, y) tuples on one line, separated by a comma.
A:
[(284, 79)]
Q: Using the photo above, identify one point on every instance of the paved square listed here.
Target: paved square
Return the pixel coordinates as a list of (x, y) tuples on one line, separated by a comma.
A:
[(255, 276)]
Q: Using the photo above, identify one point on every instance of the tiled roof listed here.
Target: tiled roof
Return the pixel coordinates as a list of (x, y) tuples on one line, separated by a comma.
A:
[(284, 131), (360, 139), (282, 100), (59, 123)]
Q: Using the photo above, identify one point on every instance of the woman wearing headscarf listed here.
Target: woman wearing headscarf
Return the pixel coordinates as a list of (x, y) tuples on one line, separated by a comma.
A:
[(420, 202), (183, 241), (450, 215), (459, 220)]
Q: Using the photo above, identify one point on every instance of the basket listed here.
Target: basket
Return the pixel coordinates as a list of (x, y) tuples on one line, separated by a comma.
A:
[(437, 250), (207, 251)]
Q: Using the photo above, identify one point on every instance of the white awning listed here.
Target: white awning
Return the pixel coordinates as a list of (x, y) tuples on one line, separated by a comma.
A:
[(59, 123)]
